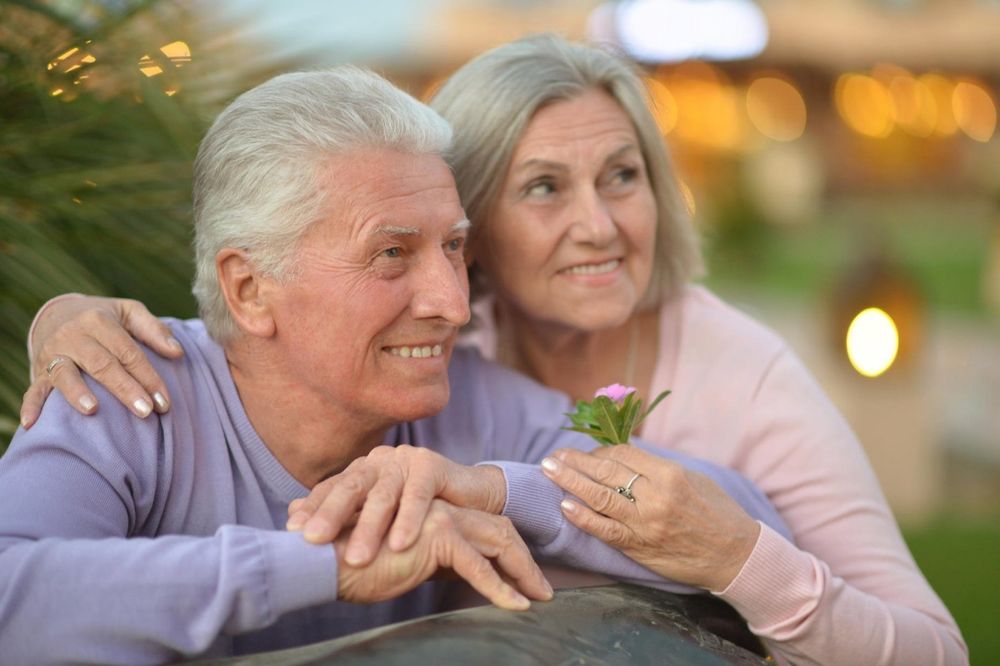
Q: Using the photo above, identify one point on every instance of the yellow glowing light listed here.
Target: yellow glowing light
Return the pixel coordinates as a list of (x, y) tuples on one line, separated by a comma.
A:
[(178, 52), (67, 54), (865, 105), (942, 89), (916, 108), (975, 112), (149, 69), (56, 92), (88, 59), (663, 105), (170, 92), (872, 342), (776, 108), (708, 107)]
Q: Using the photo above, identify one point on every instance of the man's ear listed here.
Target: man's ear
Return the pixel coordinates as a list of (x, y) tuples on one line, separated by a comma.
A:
[(245, 291)]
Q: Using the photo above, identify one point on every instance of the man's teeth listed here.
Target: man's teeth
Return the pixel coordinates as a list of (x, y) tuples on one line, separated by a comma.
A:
[(416, 352), (593, 269)]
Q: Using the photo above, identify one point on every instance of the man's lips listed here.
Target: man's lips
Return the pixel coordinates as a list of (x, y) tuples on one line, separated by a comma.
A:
[(416, 351)]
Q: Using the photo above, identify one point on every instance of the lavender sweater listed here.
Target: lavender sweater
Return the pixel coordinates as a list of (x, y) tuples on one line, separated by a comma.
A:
[(135, 541)]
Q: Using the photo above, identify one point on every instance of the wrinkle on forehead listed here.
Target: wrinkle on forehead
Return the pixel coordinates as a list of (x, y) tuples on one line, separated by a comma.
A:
[(573, 124)]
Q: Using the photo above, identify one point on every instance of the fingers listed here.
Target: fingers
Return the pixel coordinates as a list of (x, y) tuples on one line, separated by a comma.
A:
[(114, 367), (480, 574), (65, 377), (130, 375), (335, 502), (379, 508), (606, 529), (413, 507), (497, 539), (34, 398), (593, 480), (138, 321)]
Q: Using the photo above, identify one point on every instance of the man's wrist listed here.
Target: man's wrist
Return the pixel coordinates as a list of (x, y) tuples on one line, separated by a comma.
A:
[(493, 483)]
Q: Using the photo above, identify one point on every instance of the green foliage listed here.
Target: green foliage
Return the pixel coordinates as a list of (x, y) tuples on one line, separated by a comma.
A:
[(95, 179), (609, 422)]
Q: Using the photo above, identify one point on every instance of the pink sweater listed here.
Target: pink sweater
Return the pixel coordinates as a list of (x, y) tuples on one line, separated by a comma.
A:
[(849, 592)]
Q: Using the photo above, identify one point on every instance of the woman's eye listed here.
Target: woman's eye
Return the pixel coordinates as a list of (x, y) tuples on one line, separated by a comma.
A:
[(626, 175), (540, 189)]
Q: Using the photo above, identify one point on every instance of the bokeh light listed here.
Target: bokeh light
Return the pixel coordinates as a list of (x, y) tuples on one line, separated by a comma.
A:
[(975, 111), (865, 105), (776, 108), (872, 342)]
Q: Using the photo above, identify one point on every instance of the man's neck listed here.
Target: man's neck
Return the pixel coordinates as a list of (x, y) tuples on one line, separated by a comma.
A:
[(319, 440)]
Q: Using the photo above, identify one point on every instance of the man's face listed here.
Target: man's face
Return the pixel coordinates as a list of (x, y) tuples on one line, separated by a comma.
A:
[(368, 322)]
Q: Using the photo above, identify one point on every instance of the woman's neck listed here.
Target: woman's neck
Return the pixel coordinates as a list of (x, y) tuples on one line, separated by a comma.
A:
[(579, 362)]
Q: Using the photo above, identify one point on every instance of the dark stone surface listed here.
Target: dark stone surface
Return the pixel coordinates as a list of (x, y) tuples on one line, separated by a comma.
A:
[(607, 625)]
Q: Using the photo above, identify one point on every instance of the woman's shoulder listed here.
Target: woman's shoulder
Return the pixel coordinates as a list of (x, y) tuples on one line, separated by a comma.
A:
[(709, 323)]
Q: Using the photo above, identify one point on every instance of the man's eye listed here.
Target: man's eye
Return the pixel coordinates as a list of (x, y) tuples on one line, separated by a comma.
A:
[(456, 244), (392, 252)]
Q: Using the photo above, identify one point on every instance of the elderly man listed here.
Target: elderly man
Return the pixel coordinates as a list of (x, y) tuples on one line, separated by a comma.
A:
[(331, 281)]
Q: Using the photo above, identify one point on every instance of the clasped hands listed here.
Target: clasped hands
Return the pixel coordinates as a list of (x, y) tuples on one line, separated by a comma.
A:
[(400, 514)]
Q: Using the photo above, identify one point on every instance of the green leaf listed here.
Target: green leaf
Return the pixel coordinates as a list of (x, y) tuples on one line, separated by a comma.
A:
[(653, 405), (631, 410), (608, 418)]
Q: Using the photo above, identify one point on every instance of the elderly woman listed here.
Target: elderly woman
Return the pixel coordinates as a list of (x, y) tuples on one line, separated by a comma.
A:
[(584, 256)]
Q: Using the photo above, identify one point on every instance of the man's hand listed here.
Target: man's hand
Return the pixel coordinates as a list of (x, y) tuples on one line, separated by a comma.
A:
[(481, 548), (95, 334), (392, 481)]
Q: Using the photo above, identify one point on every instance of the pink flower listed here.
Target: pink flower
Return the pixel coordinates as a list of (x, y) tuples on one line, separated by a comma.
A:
[(615, 392)]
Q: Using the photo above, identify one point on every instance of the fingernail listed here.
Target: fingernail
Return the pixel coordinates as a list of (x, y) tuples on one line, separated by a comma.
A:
[(296, 521), (314, 530), (568, 506), (356, 555), (561, 455), (173, 344), (87, 403), (548, 588), (550, 465), (25, 423), (517, 598), (160, 401), (142, 407)]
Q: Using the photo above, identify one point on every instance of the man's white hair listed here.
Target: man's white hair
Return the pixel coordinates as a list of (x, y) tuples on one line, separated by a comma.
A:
[(257, 177)]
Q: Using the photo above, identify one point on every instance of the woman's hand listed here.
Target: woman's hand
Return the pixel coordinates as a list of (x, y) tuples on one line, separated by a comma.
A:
[(482, 548), (681, 524), (95, 334), (391, 485)]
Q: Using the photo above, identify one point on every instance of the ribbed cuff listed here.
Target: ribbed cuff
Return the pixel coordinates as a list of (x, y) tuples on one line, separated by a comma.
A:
[(300, 574), (776, 582), (532, 502)]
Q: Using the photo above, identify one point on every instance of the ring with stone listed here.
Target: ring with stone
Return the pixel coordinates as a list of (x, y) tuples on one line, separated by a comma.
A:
[(626, 490), (53, 363)]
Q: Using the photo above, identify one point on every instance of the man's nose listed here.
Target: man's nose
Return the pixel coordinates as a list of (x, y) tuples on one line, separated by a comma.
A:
[(442, 291), (592, 220)]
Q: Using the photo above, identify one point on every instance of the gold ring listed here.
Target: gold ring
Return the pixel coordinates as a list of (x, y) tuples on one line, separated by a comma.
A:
[(53, 363)]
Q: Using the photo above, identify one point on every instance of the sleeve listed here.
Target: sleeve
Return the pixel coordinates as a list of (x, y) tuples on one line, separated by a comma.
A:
[(850, 574), (78, 585), (529, 427)]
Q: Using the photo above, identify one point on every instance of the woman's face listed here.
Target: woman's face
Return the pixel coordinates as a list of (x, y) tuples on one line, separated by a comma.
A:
[(570, 238)]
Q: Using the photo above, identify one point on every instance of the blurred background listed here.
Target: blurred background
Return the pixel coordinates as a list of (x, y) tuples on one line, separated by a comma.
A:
[(840, 157)]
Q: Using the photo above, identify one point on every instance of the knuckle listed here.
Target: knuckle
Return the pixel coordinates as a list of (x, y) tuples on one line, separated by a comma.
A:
[(604, 501), (130, 355), (605, 469)]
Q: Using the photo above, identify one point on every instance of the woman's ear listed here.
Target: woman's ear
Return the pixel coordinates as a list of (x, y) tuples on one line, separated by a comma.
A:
[(246, 292)]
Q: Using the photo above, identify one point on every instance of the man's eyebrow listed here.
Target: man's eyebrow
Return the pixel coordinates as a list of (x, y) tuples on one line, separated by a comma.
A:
[(461, 225), (393, 230)]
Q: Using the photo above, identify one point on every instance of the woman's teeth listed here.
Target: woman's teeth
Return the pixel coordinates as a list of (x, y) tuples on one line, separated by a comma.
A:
[(416, 352), (593, 269)]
